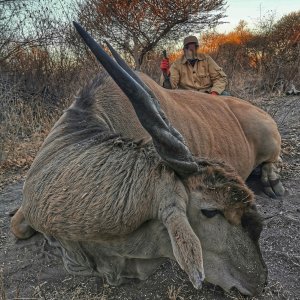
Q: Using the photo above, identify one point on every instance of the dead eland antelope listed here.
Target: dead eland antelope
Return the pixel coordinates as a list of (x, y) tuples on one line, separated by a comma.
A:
[(120, 190)]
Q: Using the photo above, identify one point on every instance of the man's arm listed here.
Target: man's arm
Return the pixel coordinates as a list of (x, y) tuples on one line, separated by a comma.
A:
[(174, 76), (217, 76)]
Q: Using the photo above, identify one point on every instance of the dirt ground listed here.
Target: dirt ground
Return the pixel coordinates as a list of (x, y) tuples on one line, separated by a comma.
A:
[(33, 270)]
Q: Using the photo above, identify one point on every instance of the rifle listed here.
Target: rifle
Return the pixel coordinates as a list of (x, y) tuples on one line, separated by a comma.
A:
[(166, 83), (165, 53)]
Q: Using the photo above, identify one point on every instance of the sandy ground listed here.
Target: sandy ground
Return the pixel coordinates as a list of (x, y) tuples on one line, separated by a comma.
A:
[(33, 270)]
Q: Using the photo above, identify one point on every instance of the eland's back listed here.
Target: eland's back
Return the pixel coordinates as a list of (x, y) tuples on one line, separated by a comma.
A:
[(220, 128)]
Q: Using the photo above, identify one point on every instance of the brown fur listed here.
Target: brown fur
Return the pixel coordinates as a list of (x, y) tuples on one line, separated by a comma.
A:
[(20, 227), (82, 153), (223, 128), (232, 197), (98, 180)]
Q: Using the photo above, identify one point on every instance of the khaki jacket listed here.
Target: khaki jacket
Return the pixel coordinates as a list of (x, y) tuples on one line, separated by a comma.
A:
[(205, 76)]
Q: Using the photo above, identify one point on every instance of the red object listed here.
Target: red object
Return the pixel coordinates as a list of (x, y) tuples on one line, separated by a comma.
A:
[(165, 66), (214, 93)]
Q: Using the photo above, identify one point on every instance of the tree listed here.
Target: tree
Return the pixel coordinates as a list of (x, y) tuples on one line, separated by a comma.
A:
[(8, 27), (137, 27), (285, 40), (286, 33), (29, 23)]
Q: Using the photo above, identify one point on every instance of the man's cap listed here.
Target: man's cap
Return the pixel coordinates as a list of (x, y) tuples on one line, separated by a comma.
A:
[(190, 39)]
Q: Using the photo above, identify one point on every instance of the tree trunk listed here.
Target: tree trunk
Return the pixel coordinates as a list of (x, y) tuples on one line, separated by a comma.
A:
[(136, 54)]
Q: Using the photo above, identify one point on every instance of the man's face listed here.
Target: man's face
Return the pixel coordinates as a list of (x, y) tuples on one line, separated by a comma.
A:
[(191, 46), (190, 51)]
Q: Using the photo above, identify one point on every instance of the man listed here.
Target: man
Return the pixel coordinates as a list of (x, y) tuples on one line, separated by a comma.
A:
[(194, 71)]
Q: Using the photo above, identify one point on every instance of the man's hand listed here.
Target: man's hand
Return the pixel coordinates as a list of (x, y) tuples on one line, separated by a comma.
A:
[(214, 93), (165, 66)]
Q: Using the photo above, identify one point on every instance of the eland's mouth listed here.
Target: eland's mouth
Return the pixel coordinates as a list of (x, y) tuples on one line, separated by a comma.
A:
[(247, 290), (237, 285), (240, 290)]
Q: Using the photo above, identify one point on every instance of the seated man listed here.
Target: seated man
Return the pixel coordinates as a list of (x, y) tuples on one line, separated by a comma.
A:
[(194, 71)]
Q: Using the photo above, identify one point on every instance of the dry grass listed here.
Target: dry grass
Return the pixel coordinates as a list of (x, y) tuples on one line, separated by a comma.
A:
[(173, 293), (40, 292), (25, 121), (33, 96)]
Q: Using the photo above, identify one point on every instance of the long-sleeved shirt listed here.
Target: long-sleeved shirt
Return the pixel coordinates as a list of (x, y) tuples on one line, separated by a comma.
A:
[(204, 76)]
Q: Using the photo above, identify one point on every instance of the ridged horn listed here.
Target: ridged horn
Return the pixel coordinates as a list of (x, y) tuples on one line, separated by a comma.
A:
[(175, 153), (130, 72)]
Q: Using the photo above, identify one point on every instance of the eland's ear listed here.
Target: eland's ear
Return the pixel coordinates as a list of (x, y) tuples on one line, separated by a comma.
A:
[(252, 223), (186, 246)]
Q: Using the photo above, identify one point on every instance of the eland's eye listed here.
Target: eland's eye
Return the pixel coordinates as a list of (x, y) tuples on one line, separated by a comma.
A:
[(209, 213)]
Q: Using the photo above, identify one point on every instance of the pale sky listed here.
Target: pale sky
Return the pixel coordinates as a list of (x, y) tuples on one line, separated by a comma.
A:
[(252, 10)]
